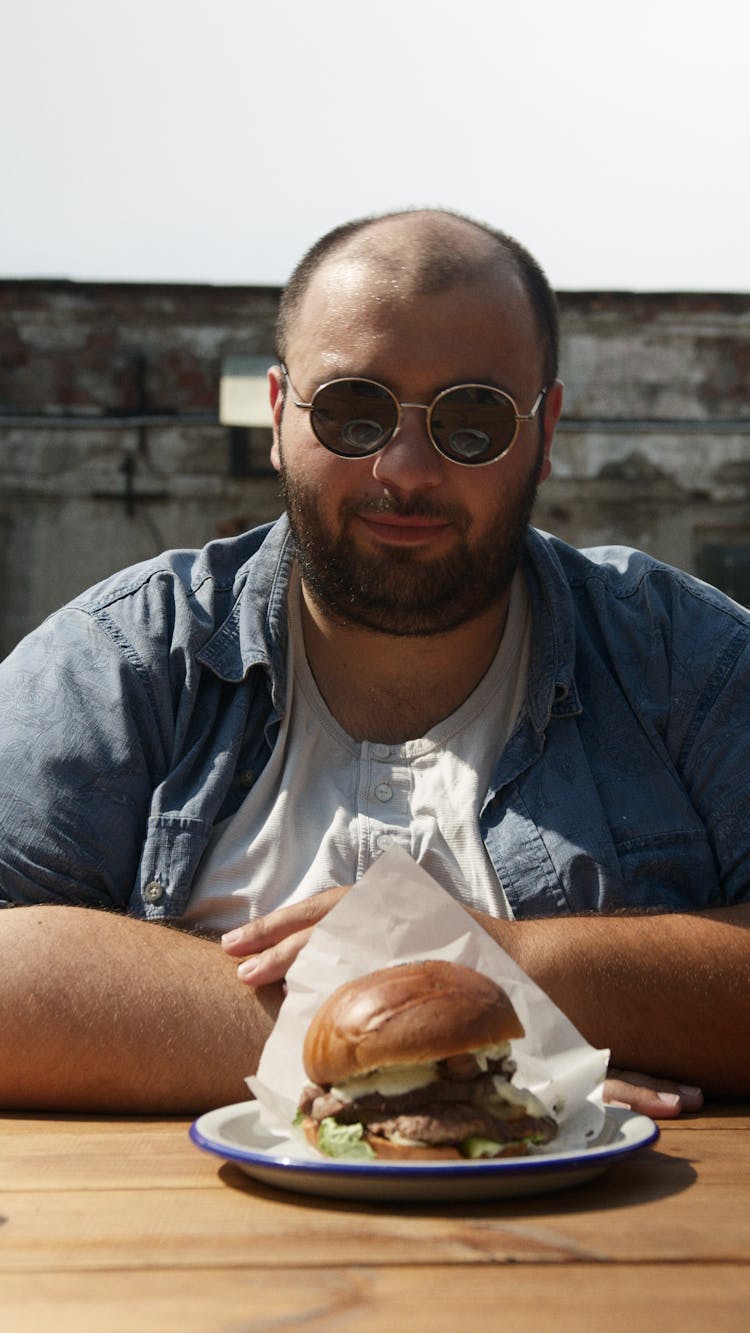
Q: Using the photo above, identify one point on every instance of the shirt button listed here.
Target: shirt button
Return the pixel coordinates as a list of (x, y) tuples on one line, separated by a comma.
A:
[(383, 791), (154, 891), (384, 841), (381, 751)]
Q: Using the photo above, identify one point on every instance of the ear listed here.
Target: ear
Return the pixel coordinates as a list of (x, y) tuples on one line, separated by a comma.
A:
[(553, 401), (276, 380)]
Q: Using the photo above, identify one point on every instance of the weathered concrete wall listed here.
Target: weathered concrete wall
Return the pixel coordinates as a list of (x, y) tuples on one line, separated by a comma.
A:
[(111, 448), (654, 449)]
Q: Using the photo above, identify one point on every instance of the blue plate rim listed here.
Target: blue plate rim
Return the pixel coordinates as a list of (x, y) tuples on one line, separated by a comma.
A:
[(573, 1160)]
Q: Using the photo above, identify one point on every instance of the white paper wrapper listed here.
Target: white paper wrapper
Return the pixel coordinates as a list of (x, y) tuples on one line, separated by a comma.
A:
[(395, 914)]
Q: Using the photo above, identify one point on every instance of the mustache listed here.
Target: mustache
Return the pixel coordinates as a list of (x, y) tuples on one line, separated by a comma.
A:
[(416, 506)]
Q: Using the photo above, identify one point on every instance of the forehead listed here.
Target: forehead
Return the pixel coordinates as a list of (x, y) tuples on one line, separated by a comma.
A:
[(361, 317)]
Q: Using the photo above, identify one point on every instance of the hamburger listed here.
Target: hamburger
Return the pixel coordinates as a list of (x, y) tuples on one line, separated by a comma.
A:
[(413, 1061)]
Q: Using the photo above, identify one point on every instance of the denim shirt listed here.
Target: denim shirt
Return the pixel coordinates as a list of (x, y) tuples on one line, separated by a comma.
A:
[(141, 713)]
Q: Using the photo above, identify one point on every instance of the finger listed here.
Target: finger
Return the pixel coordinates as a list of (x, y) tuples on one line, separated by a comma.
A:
[(646, 1101), (661, 1099), (690, 1097), (273, 963), (263, 933), (267, 931)]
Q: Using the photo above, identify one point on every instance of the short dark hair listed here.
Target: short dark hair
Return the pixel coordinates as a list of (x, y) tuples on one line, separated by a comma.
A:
[(445, 267)]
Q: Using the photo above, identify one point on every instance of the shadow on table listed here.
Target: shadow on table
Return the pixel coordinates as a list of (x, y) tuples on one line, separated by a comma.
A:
[(642, 1179)]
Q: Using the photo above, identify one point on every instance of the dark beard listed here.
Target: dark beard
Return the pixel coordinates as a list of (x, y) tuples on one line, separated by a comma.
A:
[(398, 592)]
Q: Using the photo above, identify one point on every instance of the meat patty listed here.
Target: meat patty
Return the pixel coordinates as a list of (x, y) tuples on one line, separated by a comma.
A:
[(318, 1103), (460, 1121), (462, 1101), (458, 1079)]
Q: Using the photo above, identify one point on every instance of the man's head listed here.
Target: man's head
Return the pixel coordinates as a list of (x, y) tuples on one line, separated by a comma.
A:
[(405, 539), (447, 249)]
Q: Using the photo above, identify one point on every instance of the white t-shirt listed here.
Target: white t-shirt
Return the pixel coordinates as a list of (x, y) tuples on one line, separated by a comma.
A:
[(326, 806)]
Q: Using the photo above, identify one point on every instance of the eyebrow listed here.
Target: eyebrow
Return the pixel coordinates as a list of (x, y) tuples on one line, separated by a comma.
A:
[(492, 383)]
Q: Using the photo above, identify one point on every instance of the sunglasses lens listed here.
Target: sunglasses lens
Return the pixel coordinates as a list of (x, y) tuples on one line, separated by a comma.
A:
[(353, 418), (473, 423)]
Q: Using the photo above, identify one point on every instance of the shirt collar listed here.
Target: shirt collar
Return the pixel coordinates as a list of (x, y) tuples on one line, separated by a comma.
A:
[(552, 688), (255, 631)]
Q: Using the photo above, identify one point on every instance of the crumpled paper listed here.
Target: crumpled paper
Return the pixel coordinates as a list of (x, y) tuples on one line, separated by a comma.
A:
[(397, 913)]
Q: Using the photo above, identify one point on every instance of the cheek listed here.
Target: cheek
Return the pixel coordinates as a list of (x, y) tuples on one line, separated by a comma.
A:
[(324, 479), (492, 495), (483, 495)]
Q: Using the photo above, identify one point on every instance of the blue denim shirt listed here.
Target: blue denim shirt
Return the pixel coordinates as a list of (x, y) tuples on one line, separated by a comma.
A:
[(142, 712)]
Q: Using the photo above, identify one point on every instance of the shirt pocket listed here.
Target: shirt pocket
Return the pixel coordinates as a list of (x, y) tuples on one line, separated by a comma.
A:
[(673, 870)]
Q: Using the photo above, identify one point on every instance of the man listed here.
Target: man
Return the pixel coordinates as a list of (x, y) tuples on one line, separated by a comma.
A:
[(223, 741)]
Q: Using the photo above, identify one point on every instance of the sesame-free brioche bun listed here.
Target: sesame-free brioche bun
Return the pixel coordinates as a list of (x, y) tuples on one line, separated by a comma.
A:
[(407, 1014)]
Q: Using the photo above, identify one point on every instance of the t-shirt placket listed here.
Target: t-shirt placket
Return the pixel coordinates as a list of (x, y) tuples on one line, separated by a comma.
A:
[(384, 813)]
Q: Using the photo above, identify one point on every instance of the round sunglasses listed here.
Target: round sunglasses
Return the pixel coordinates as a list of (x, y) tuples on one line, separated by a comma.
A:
[(471, 424)]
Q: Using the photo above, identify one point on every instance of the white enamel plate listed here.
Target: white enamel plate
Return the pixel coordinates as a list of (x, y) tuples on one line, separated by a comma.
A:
[(236, 1134)]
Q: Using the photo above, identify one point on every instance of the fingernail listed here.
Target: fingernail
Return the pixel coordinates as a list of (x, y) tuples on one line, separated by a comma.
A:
[(247, 969), (687, 1091), (231, 937), (669, 1098), (623, 1106)]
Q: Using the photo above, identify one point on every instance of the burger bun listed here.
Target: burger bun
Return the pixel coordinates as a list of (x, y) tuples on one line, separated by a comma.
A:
[(411, 1013)]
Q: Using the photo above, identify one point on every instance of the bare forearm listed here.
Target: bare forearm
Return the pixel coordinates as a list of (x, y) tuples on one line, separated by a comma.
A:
[(103, 1013), (669, 994)]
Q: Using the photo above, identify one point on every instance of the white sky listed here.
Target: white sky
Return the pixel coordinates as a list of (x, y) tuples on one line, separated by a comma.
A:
[(213, 141)]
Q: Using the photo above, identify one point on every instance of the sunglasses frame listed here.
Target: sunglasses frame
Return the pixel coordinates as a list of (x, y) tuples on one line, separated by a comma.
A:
[(429, 408)]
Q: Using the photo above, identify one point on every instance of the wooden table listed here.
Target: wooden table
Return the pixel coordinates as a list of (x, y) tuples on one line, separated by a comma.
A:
[(109, 1224)]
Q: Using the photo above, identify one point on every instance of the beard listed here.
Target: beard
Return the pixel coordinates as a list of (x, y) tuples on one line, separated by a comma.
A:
[(398, 591)]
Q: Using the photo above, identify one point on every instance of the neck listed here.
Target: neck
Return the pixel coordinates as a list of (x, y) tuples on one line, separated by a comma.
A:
[(394, 688)]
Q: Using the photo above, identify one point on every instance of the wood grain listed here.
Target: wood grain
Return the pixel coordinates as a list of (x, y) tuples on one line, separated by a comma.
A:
[(337, 1299), (116, 1224)]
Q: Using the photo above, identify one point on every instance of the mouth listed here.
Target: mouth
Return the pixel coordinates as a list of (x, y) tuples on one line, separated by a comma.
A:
[(405, 529)]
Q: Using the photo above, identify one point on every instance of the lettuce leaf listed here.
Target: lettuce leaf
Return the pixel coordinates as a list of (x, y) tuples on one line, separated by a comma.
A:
[(337, 1140), (476, 1146)]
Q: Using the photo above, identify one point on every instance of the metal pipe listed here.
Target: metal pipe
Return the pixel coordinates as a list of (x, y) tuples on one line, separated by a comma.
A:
[(110, 421), (606, 425)]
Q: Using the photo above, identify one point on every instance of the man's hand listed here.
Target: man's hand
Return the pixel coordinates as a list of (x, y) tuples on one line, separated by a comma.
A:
[(269, 945), (656, 1097)]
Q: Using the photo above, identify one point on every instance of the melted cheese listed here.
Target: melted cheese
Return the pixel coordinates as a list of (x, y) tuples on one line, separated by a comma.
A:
[(487, 1053), (512, 1096), (396, 1080), (393, 1082)]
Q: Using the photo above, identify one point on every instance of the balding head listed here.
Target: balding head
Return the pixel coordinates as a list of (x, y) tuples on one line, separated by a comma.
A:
[(425, 252)]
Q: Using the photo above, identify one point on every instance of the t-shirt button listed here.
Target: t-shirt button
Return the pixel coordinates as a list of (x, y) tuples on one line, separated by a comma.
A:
[(381, 751), (383, 791), (154, 891)]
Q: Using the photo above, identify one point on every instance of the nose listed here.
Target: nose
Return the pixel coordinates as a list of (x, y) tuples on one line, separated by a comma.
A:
[(409, 461)]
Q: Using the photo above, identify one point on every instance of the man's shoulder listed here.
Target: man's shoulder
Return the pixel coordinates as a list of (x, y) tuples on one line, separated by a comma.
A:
[(624, 576), (220, 603), (220, 567)]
